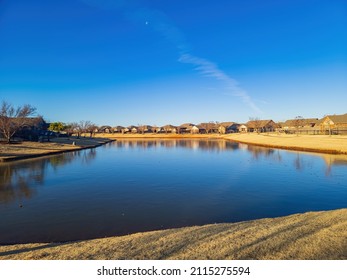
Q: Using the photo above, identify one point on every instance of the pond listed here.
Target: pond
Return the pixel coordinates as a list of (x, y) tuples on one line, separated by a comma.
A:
[(142, 185)]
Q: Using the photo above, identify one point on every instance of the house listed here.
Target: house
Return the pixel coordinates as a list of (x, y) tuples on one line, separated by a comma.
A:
[(105, 129), (242, 128), (118, 129), (187, 128), (333, 124), (133, 129), (223, 127), (209, 127), (168, 129), (130, 129), (261, 126), (148, 129), (194, 129), (202, 129), (30, 129), (126, 130), (144, 129), (295, 124), (156, 129), (33, 128), (228, 127)]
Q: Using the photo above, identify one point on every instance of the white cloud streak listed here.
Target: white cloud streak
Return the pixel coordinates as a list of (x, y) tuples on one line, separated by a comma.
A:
[(161, 24), (209, 69)]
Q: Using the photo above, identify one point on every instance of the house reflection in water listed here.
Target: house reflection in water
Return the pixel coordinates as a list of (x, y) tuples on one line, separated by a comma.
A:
[(299, 162), (142, 185), (333, 160), (18, 180), (257, 152), (211, 145)]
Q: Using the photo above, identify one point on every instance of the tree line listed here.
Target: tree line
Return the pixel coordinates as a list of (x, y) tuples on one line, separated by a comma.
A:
[(13, 119), (78, 128)]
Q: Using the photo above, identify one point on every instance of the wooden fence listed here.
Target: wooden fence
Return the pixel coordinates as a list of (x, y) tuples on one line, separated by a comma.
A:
[(317, 132)]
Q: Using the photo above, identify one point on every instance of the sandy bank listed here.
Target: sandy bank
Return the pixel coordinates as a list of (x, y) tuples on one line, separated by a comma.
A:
[(29, 149), (313, 235)]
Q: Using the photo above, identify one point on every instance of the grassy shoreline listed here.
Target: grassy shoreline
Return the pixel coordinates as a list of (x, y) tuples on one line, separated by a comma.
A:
[(27, 150), (306, 143), (313, 235)]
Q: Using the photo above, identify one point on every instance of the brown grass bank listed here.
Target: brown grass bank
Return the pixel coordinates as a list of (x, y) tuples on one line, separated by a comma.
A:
[(313, 235), (311, 143), (28, 149)]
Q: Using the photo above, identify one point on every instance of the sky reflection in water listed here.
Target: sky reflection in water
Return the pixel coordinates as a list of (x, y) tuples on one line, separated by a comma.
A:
[(132, 186)]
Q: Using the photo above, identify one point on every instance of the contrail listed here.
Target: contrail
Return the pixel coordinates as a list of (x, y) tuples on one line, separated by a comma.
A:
[(162, 24), (209, 69)]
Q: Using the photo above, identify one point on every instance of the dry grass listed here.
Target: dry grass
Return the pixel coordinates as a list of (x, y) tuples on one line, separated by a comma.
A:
[(313, 235), (336, 144), (30, 149)]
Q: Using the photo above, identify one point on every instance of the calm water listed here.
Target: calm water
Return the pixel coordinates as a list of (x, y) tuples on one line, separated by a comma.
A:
[(132, 186)]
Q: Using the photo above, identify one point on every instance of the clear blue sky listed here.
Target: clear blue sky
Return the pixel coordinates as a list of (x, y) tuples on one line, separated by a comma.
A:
[(125, 62)]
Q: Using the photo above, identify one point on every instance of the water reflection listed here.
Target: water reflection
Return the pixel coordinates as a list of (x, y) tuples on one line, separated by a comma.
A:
[(333, 160), (17, 179), (207, 145), (261, 152), (131, 186), (257, 152)]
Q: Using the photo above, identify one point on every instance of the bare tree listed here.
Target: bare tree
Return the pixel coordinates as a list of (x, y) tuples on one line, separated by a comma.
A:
[(298, 123), (211, 126), (141, 128), (72, 128), (166, 128), (92, 129), (205, 126), (208, 127), (256, 123), (84, 126), (216, 126), (155, 129), (13, 119)]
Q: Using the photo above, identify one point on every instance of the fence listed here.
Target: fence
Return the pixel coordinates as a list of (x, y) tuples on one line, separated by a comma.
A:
[(317, 132)]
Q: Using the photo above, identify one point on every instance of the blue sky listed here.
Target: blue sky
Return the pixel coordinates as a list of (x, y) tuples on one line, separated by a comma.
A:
[(173, 61)]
